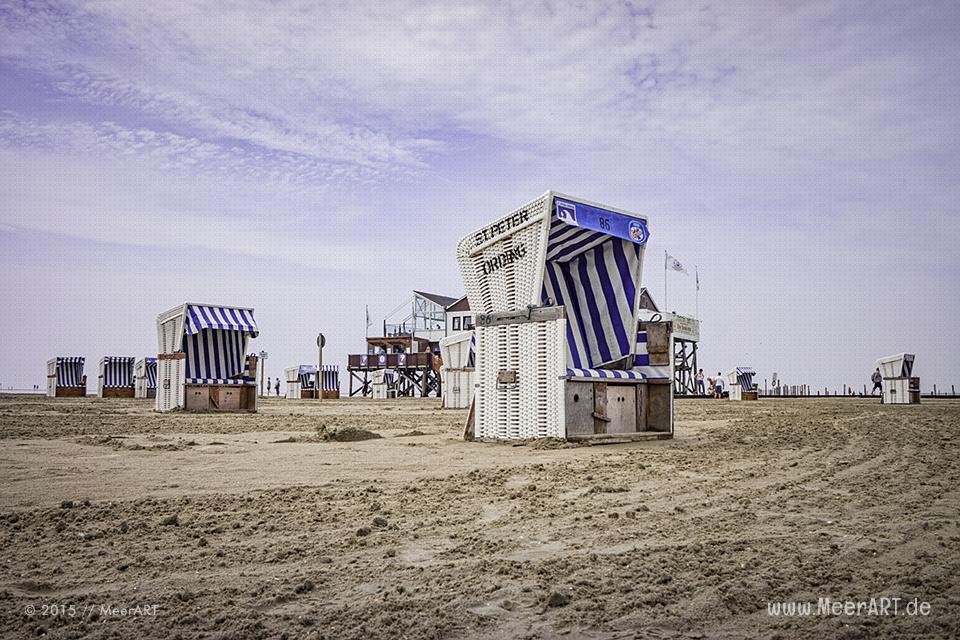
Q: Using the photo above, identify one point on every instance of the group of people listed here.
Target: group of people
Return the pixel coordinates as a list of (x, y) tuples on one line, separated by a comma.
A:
[(269, 386), (709, 386)]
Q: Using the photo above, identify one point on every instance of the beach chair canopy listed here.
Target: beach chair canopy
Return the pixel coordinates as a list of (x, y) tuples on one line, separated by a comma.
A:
[(593, 273), (564, 251), (150, 369), (70, 372), (458, 350), (117, 371), (743, 376), (307, 373), (200, 317), (898, 366)]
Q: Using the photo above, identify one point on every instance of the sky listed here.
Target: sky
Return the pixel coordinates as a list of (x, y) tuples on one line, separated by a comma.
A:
[(311, 159)]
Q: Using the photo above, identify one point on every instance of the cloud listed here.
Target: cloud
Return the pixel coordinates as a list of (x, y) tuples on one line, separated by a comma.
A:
[(171, 151), (392, 86), (131, 202)]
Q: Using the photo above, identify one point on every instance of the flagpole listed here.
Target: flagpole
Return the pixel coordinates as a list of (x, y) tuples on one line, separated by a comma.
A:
[(696, 270), (665, 280)]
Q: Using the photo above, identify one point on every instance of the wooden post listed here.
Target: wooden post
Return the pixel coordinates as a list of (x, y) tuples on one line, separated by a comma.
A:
[(320, 341)]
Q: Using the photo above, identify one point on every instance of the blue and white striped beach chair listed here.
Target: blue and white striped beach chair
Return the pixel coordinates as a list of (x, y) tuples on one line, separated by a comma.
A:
[(65, 377), (116, 377), (560, 352), (145, 377), (740, 381), (203, 347)]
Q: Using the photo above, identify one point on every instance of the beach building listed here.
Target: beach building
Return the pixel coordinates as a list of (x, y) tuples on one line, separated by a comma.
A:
[(685, 338), (409, 346)]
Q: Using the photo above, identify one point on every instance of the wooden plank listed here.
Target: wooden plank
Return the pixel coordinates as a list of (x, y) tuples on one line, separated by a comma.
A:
[(468, 428), (600, 417), (619, 438)]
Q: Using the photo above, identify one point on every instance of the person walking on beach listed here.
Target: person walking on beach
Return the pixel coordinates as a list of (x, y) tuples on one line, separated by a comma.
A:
[(718, 386), (269, 385), (701, 389), (877, 381), (278, 387)]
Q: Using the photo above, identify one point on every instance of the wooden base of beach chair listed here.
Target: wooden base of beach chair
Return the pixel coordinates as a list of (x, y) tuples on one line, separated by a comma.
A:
[(225, 398), (70, 392), (117, 392)]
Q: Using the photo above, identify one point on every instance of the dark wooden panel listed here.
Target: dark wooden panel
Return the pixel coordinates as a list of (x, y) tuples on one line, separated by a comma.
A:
[(118, 392)]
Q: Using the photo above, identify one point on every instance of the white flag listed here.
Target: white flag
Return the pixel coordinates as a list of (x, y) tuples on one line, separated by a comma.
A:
[(673, 263)]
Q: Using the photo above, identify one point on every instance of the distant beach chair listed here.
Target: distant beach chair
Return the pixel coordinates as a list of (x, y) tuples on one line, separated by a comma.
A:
[(145, 376), (65, 378), (457, 352), (116, 377), (899, 387), (740, 384)]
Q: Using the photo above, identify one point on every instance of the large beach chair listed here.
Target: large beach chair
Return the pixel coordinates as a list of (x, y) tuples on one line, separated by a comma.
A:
[(201, 365), (116, 377), (65, 378), (559, 351)]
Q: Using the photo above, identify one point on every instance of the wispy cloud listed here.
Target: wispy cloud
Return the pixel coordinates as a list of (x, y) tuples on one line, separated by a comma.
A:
[(173, 152), (382, 86)]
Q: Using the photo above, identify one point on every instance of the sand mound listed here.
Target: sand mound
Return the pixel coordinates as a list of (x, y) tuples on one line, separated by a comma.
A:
[(346, 434)]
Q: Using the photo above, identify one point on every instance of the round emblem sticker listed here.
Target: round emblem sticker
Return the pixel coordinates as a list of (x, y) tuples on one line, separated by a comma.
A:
[(638, 232)]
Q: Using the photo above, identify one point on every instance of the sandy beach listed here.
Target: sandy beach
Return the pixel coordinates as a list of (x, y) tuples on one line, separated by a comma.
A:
[(268, 525)]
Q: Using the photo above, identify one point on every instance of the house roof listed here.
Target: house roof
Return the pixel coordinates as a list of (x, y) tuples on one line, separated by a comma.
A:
[(460, 304), (443, 301), (646, 300)]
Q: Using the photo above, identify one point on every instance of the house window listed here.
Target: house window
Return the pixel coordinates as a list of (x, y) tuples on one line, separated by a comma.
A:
[(468, 322), (456, 323)]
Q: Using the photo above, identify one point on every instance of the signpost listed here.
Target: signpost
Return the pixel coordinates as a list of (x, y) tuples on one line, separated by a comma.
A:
[(263, 370), (321, 341)]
